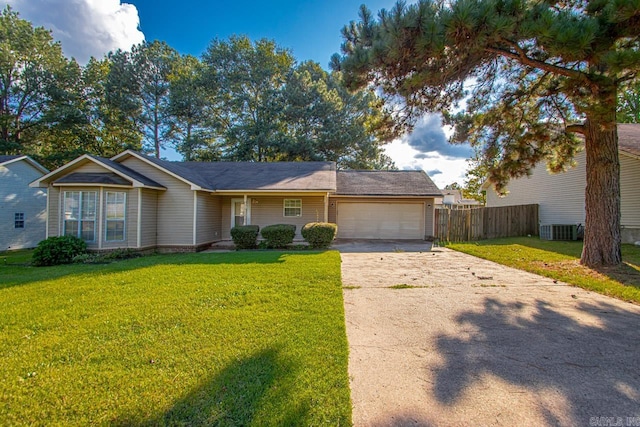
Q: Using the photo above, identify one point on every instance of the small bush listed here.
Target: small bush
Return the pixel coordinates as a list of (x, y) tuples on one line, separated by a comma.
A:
[(58, 250), (278, 236), (245, 236), (99, 258), (319, 235)]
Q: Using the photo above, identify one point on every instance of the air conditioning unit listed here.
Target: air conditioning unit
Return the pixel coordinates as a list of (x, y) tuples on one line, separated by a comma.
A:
[(559, 232)]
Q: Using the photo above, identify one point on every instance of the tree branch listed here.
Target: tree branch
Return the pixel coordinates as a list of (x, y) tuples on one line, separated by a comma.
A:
[(522, 57), (576, 128)]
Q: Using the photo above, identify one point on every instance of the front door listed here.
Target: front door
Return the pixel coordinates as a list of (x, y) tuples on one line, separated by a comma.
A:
[(240, 213)]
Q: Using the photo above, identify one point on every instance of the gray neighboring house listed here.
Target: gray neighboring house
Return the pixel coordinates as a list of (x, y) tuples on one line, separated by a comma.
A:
[(22, 208), (140, 202), (560, 196)]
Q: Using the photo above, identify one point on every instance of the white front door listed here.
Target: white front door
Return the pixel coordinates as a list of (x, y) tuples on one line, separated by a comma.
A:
[(240, 213)]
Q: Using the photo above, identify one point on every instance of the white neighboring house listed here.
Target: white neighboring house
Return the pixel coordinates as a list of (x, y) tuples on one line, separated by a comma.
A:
[(23, 210), (561, 196), (452, 199)]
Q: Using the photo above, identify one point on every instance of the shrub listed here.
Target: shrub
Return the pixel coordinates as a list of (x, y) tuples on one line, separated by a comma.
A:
[(278, 236), (58, 250), (319, 235), (245, 236)]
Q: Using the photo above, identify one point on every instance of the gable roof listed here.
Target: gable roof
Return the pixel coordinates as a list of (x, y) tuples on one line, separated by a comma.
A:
[(629, 138), (246, 176), (118, 174), (7, 159), (386, 183), (266, 176)]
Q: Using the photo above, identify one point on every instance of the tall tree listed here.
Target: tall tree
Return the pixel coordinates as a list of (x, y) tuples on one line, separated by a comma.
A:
[(542, 72), (247, 78), (30, 63), (153, 63), (191, 114), (324, 121)]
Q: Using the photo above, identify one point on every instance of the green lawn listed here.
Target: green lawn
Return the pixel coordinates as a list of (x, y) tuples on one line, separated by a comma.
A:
[(246, 338), (560, 260)]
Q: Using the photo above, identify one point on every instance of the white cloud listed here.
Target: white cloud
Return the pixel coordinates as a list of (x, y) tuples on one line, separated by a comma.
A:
[(444, 169), (84, 27)]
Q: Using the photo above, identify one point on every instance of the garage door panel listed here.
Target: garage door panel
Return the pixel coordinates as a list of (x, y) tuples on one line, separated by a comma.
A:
[(380, 220)]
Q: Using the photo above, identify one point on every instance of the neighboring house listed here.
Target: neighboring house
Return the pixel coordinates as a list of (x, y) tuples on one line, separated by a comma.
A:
[(140, 202), (452, 199), (22, 208), (561, 196)]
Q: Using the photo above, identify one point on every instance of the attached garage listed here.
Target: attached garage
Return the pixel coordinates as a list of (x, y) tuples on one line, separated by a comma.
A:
[(383, 205), (380, 220)]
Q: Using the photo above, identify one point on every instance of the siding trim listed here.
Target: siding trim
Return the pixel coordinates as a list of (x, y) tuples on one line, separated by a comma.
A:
[(139, 220), (46, 216), (326, 207), (100, 216), (195, 216), (60, 213)]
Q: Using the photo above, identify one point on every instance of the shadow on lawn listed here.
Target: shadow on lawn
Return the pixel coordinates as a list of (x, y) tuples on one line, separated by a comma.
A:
[(624, 273), (20, 275), (235, 396), (573, 367)]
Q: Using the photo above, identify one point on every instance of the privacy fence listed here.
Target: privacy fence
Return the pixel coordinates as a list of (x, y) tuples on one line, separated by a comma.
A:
[(460, 225)]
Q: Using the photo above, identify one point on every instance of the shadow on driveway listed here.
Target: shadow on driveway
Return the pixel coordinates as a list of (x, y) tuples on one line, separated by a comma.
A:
[(369, 246)]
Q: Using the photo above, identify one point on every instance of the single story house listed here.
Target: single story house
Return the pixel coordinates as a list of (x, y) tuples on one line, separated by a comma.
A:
[(561, 196), (22, 208), (140, 202)]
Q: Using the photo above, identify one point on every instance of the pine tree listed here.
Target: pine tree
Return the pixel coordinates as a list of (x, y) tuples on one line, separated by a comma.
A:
[(540, 71)]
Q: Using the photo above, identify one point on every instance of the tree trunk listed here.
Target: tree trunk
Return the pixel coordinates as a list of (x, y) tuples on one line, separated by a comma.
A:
[(602, 195)]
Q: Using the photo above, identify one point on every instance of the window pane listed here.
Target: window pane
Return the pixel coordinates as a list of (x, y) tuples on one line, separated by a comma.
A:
[(293, 207), (18, 220), (71, 205), (115, 230), (115, 205), (88, 231), (71, 228), (89, 205)]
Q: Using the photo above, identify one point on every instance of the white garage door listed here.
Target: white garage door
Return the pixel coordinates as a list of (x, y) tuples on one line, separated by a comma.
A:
[(380, 220)]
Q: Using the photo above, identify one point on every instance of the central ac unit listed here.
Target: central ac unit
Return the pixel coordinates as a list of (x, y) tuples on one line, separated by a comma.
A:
[(559, 232)]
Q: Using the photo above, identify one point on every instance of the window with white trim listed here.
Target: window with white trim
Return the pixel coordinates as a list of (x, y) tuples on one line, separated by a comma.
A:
[(80, 214), (292, 207), (115, 219), (18, 220)]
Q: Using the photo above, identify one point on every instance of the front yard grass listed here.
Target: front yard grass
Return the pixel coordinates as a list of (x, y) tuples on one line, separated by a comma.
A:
[(247, 338), (560, 261)]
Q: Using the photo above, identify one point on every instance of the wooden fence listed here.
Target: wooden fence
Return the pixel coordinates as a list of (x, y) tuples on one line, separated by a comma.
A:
[(462, 225)]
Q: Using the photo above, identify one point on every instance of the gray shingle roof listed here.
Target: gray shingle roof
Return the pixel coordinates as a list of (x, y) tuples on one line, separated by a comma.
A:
[(290, 176), (263, 176), (93, 178), (629, 138), (385, 183)]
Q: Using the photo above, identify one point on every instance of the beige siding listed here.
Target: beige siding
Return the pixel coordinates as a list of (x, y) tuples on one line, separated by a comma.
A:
[(148, 218), (90, 167), (560, 196), (208, 218), (175, 205), (428, 203), (630, 191), (54, 211), (17, 197), (269, 210)]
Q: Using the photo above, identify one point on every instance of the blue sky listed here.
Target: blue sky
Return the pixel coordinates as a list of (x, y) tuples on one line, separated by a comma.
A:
[(309, 29)]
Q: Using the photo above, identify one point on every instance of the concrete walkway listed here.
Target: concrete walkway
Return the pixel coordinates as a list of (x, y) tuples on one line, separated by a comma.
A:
[(443, 338)]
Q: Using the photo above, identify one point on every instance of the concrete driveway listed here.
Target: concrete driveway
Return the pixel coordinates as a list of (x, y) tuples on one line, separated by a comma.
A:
[(443, 338)]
